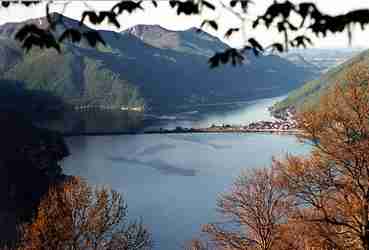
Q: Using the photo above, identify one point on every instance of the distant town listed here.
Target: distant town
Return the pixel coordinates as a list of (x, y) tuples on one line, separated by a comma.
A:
[(284, 122)]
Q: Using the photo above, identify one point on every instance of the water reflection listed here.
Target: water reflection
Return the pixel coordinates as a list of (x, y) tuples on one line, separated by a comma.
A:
[(97, 121), (173, 187)]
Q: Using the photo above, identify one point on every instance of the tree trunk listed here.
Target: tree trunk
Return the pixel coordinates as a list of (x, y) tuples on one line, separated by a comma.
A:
[(365, 239)]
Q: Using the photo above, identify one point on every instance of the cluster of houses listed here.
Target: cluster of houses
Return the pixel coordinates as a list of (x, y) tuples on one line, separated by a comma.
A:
[(88, 107), (284, 114), (279, 125), (284, 122), (261, 126)]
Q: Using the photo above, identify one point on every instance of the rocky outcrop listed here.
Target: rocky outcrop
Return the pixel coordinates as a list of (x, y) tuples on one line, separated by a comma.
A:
[(29, 164), (156, 36)]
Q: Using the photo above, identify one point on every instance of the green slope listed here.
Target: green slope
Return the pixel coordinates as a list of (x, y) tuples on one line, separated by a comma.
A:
[(75, 77), (309, 93)]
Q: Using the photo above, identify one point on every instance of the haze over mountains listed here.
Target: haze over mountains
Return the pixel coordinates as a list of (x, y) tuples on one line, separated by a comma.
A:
[(145, 65), (320, 59), (309, 93)]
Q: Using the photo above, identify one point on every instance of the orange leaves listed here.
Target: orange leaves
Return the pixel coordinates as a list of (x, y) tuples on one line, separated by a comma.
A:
[(319, 201), (332, 183), (77, 216), (257, 206)]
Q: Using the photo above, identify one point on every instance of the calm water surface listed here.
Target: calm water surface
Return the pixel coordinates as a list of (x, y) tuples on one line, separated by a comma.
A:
[(233, 113), (172, 181)]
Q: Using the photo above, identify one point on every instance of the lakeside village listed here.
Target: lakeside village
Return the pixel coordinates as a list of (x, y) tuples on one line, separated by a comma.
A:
[(284, 123), (89, 107)]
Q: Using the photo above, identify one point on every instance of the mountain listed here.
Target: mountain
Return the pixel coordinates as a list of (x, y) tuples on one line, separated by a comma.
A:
[(188, 41), (309, 93), (75, 76), (319, 58), (300, 60), (144, 65), (176, 62)]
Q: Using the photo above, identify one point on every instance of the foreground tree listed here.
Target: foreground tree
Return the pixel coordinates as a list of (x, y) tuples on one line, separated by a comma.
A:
[(77, 216), (255, 208), (331, 184), (320, 201)]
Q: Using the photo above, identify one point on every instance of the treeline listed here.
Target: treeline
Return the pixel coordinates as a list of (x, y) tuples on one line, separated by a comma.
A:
[(32, 104), (105, 88)]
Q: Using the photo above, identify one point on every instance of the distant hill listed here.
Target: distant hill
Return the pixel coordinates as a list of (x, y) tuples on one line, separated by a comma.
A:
[(165, 70), (320, 59), (309, 93)]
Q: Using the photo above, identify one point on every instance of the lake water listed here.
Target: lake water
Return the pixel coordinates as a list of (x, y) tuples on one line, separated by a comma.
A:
[(172, 181), (233, 113)]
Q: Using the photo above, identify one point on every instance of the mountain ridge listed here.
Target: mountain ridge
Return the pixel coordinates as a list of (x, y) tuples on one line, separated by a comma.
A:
[(167, 77)]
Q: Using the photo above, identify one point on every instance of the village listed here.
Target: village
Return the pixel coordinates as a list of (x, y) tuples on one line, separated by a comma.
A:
[(282, 124)]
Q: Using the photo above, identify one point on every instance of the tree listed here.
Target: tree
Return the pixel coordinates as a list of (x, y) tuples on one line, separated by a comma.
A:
[(255, 209), (331, 185), (294, 21), (77, 216), (320, 201)]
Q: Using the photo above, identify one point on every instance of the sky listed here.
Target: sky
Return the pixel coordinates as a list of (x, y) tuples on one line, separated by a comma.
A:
[(166, 17)]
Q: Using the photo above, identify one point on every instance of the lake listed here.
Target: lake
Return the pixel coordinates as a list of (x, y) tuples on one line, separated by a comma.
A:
[(172, 181)]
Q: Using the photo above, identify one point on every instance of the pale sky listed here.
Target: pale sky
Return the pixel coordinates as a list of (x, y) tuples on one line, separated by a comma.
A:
[(166, 17)]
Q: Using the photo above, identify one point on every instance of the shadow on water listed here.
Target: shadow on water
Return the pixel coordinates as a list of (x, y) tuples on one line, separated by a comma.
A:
[(97, 121), (160, 165)]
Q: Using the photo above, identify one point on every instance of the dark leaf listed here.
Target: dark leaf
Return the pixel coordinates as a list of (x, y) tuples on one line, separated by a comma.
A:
[(128, 6), (173, 3), (93, 17), (301, 41), (5, 4), (214, 61), (111, 16), (93, 38), (30, 35), (188, 8), (256, 45), (244, 4), (209, 5), (72, 35), (277, 46), (230, 55), (230, 32), (212, 23)]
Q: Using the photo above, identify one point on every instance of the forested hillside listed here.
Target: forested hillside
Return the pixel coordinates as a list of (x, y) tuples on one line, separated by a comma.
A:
[(309, 93)]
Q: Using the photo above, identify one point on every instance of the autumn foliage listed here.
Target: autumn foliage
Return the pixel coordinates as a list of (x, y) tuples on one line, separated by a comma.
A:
[(256, 203), (320, 201), (78, 216)]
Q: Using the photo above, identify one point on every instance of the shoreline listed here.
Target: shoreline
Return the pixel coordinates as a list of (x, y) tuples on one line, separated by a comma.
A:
[(189, 131), (284, 123)]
